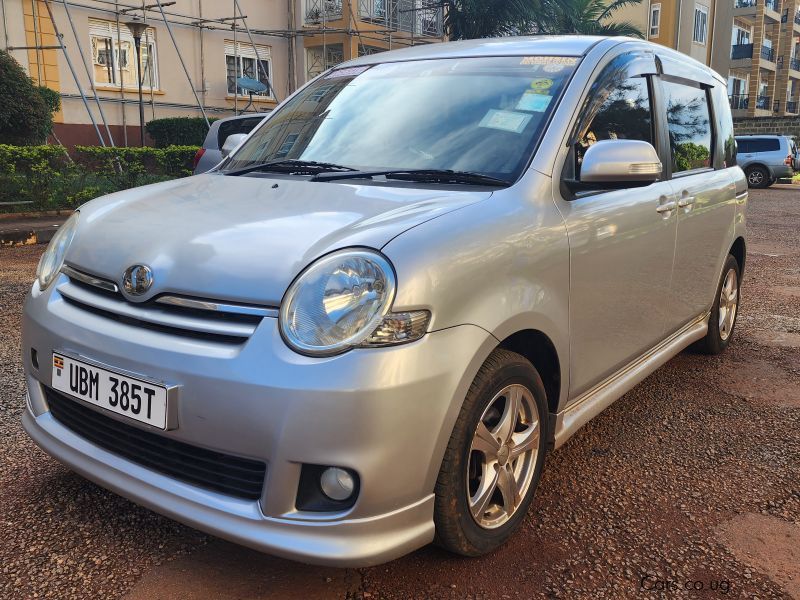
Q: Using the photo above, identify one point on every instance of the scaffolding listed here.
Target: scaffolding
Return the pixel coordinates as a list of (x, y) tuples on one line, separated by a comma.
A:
[(391, 22)]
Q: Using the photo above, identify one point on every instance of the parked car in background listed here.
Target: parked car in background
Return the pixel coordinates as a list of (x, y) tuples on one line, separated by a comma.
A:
[(210, 154), (767, 158), (367, 327)]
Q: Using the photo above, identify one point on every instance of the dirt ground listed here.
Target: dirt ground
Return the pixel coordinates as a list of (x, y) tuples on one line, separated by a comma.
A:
[(688, 486)]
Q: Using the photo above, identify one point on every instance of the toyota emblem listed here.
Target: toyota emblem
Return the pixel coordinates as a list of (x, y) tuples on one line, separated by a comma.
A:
[(137, 280)]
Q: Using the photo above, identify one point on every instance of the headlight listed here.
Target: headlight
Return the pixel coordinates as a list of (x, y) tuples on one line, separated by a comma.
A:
[(337, 302), (53, 257)]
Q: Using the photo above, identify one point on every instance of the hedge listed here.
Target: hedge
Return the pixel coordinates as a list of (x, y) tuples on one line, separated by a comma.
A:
[(178, 131), (49, 178)]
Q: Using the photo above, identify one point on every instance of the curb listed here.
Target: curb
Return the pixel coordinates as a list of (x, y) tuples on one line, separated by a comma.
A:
[(26, 237)]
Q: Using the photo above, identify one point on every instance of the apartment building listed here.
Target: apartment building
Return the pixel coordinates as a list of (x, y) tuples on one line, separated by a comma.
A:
[(338, 30), (764, 71), (754, 43), (698, 28), (192, 54)]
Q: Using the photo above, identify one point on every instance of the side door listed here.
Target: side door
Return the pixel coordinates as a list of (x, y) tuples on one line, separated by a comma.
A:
[(621, 240), (704, 189)]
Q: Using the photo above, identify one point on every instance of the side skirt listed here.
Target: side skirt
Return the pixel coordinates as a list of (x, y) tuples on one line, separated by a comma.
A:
[(596, 400)]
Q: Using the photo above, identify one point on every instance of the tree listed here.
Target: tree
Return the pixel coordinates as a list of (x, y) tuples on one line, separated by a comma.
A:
[(469, 19), (25, 115), (587, 17)]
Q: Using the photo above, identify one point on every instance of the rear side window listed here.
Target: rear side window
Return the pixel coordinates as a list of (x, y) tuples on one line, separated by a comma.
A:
[(689, 124), (236, 126), (759, 145)]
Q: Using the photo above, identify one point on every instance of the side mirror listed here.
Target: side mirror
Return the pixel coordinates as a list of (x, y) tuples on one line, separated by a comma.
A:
[(231, 143), (620, 162)]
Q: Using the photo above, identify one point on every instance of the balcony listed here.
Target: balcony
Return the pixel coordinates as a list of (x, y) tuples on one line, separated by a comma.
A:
[(791, 107), (320, 11), (768, 54), (403, 15), (763, 102), (739, 101), (741, 51)]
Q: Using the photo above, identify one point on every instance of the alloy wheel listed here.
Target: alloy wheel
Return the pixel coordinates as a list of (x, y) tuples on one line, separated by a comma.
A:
[(755, 177), (503, 456), (728, 302)]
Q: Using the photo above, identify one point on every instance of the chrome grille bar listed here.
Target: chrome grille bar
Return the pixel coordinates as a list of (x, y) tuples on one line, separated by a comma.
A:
[(97, 282), (237, 309)]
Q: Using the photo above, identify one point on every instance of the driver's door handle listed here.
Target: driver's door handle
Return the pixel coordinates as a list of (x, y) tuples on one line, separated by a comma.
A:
[(686, 201), (666, 207)]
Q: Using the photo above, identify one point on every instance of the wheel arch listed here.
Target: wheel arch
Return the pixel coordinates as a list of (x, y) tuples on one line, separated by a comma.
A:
[(540, 350), (739, 252)]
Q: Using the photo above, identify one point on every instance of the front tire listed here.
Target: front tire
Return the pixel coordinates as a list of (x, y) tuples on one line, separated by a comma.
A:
[(722, 321), (494, 457)]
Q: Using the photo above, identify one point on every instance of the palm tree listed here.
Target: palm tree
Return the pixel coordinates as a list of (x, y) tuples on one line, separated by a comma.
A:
[(469, 19), (588, 17)]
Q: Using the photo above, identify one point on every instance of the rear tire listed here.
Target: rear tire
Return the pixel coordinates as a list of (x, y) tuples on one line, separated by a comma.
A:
[(722, 321), (758, 177), (494, 457)]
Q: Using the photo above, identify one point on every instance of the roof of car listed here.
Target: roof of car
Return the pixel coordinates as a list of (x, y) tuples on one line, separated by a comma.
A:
[(537, 45)]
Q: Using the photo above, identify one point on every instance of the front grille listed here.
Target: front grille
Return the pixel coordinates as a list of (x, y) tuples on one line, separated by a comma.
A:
[(231, 475)]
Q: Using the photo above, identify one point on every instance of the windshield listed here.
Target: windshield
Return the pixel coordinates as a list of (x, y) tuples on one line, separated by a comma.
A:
[(479, 115)]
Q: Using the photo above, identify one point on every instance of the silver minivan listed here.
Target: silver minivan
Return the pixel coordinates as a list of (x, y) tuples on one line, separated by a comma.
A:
[(424, 271)]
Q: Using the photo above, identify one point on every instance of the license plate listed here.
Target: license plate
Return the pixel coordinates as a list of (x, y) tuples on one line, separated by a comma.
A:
[(140, 400)]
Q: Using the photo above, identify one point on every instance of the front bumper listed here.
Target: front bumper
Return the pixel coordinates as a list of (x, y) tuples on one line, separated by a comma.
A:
[(387, 413)]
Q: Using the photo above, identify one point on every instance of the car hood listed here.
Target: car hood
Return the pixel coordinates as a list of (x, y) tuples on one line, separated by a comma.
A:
[(243, 239)]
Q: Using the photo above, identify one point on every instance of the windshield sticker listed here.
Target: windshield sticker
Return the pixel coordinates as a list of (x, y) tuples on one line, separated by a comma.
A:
[(567, 61), (553, 68), (506, 120), (349, 72), (534, 101), (541, 86)]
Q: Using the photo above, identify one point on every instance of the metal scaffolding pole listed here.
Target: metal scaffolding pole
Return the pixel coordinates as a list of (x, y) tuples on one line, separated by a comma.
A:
[(183, 64), (255, 49), (85, 65), (60, 39)]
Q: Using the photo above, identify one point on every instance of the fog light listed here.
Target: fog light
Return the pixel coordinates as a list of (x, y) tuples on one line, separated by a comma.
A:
[(336, 483)]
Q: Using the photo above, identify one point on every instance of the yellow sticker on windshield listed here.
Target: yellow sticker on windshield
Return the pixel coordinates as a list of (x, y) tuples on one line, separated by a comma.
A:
[(541, 85), (567, 61)]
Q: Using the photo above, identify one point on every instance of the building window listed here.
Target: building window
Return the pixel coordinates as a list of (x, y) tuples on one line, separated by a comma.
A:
[(741, 35), (114, 56), (322, 58), (246, 60), (700, 24), (655, 19)]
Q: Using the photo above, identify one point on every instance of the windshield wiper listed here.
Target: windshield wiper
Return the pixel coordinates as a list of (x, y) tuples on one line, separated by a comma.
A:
[(420, 175), (290, 165)]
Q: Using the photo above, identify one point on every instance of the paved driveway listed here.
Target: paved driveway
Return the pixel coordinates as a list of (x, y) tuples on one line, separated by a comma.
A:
[(689, 485)]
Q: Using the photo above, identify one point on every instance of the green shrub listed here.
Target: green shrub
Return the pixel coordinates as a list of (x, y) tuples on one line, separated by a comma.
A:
[(48, 177), (178, 131), (25, 116), (51, 98)]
